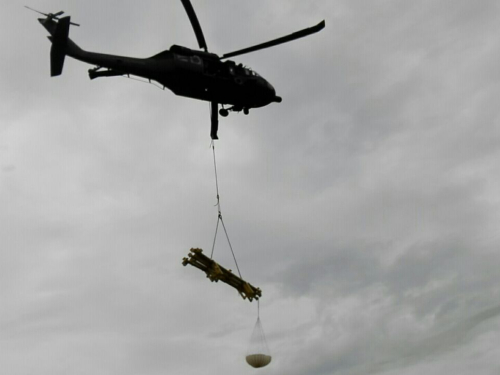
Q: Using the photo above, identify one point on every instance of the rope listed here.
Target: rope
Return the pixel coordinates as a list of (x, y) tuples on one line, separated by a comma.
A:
[(229, 242), (216, 179), (219, 216), (215, 237)]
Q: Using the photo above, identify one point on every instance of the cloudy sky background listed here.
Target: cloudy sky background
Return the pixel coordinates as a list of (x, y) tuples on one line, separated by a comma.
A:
[(366, 205)]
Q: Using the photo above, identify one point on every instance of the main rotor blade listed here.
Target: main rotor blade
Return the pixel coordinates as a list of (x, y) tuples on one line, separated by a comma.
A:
[(274, 42), (195, 23)]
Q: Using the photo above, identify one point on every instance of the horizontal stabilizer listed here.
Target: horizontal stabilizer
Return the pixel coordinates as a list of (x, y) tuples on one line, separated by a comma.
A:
[(95, 73)]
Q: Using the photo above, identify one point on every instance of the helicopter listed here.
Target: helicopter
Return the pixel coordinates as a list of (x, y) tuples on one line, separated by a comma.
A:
[(197, 74)]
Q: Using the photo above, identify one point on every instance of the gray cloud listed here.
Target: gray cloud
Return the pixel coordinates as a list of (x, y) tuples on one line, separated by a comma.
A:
[(365, 205)]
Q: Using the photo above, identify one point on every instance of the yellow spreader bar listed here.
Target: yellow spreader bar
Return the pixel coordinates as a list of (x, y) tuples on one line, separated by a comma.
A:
[(216, 272)]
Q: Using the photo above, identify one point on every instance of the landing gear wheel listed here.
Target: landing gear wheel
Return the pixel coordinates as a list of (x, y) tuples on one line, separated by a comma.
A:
[(223, 112), (246, 111)]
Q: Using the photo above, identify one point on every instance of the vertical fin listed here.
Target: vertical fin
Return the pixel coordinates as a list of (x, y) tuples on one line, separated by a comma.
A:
[(59, 42)]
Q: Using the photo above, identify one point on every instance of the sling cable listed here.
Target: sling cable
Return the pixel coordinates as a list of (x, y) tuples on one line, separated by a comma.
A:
[(215, 271), (258, 354)]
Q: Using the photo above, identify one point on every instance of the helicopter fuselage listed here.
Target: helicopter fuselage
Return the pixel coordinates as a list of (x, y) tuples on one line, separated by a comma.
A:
[(186, 72), (195, 74)]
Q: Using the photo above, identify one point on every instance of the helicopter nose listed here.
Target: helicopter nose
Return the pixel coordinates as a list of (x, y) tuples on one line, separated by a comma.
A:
[(270, 88), (264, 93), (271, 93), (275, 98)]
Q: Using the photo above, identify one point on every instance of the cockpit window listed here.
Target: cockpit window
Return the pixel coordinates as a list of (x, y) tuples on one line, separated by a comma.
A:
[(250, 72), (239, 69)]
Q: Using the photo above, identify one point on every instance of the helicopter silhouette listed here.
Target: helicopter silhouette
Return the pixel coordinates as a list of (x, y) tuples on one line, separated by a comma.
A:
[(186, 72)]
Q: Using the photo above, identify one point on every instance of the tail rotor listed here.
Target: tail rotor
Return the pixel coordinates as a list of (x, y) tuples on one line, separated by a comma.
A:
[(51, 16)]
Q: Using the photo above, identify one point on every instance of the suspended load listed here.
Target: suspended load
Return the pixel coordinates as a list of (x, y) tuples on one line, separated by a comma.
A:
[(216, 272), (258, 354)]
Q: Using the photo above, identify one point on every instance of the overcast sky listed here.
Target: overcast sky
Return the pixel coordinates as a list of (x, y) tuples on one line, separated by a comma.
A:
[(366, 205)]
